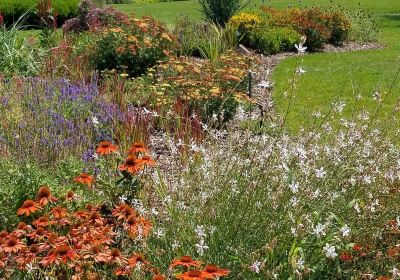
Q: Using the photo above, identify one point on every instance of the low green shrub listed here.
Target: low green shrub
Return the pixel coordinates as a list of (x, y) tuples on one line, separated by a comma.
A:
[(271, 30), (275, 40), (14, 9)]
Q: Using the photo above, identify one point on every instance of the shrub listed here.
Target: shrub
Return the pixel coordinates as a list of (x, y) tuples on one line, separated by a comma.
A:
[(220, 11), (14, 9), (213, 90), (131, 46), (274, 40), (90, 17), (269, 27)]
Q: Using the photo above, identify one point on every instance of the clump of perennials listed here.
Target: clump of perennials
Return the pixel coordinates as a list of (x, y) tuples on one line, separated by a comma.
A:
[(96, 242)]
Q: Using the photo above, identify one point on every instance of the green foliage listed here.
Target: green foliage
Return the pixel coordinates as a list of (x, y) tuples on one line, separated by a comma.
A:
[(14, 9), (18, 182), (19, 55), (274, 40), (220, 11), (204, 40)]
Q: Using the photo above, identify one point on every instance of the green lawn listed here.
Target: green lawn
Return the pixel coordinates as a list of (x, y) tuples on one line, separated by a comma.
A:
[(330, 76)]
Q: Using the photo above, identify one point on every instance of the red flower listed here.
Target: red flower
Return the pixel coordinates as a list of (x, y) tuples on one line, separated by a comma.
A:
[(185, 261), (137, 147), (44, 196), (28, 207), (61, 254), (84, 179), (131, 165), (106, 147), (191, 275), (146, 160), (212, 271)]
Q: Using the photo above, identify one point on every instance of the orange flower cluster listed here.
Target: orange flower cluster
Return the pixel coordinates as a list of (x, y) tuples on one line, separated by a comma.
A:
[(208, 272), (79, 238), (44, 197), (194, 80)]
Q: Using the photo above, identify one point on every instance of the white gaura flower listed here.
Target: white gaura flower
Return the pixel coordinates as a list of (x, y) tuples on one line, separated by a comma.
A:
[(95, 121), (200, 231), (319, 230), (201, 247), (300, 71), (345, 230), (294, 187), (330, 251), (300, 48), (320, 173), (265, 84), (257, 266)]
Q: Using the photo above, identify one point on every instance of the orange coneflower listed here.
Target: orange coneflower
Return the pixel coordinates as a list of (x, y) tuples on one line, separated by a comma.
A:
[(123, 211), (191, 275), (137, 147), (106, 147), (185, 261), (28, 207), (44, 196), (38, 234), (13, 245), (42, 222), (115, 256), (59, 212), (212, 271), (131, 165), (61, 254), (84, 179), (136, 259), (147, 160)]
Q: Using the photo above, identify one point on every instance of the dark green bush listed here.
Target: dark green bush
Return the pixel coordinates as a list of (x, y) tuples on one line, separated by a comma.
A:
[(13, 9)]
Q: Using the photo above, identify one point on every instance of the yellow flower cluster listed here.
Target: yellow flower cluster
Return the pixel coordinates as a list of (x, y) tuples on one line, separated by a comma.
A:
[(245, 20)]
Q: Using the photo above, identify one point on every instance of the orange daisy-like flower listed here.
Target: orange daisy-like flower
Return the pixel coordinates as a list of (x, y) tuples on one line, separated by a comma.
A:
[(59, 212), (84, 179), (136, 259), (106, 147), (212, 271), (185, 261), (44, 196), (123, 211), (61, 254), (42, 222), (115, 256), (13, 245), (147, 160), (131, 165), (38, 234), (28, 207), (191, 275), (137, 147)]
